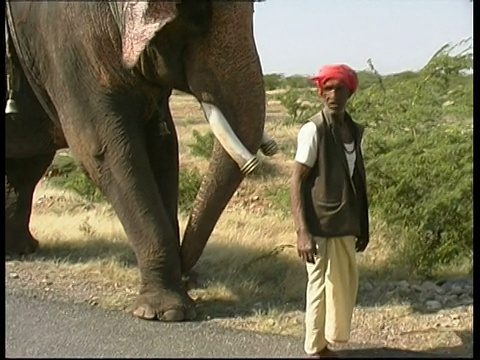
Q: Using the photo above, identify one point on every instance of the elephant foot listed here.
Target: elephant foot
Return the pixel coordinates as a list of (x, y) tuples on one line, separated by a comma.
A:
[(20, 245), (164, 306)]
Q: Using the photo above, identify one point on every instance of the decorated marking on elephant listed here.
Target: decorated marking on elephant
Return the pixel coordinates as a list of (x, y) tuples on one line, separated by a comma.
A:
[(96, 77)]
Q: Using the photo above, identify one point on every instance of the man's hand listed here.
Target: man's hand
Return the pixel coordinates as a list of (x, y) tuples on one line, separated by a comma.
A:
[(306, 247), (361, 244)]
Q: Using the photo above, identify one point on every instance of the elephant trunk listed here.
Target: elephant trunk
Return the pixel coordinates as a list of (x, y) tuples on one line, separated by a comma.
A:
[(236, 141), (224, 73), (231, 159), (224, 176)]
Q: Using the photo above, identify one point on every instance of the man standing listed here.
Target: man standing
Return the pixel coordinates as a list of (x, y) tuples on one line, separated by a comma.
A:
[(330, 210)]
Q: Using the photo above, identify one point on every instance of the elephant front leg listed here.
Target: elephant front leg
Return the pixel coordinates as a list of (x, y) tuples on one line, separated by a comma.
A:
[(21, 177), (115, 154), (162, 149)]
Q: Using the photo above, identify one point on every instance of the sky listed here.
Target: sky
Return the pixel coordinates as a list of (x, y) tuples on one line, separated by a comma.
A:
[(299, 36)]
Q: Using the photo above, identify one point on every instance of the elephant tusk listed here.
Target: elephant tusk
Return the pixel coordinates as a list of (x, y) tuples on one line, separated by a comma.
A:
[(228, 139), (268, 146)]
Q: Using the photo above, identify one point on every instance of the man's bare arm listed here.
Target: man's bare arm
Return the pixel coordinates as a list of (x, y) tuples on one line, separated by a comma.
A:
[(305, 245)]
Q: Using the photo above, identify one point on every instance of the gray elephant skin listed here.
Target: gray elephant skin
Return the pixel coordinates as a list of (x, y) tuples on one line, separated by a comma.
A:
[(96, 77)]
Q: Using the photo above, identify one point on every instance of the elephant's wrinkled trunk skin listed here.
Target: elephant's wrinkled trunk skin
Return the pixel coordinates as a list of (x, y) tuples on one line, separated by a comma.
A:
[(223, 69)]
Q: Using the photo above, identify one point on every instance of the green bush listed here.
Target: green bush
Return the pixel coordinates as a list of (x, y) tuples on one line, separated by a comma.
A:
[(82, 185), (273, 81), (297, 82), (189, 184), (65, 173), (300, 104), (425, 186), (62, 165), (202, 145), (419, 160)]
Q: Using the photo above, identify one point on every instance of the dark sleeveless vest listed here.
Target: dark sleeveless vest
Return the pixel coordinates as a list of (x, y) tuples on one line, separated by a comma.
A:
[(336, 204)]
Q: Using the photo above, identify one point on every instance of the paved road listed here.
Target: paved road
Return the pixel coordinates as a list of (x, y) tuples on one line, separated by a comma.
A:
[(40, 328), (44, 328)]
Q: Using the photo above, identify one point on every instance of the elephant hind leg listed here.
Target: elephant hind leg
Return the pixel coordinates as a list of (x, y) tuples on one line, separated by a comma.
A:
[(162, 148), (21, 177)]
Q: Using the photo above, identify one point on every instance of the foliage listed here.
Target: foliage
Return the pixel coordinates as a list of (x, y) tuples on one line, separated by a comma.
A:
[(65, 173), (297, 82), (189, 184), (300, 104), (202, 145), (273, 81), (419, 158), (62, 165), (279, 81), (82, 185), (367, 79)]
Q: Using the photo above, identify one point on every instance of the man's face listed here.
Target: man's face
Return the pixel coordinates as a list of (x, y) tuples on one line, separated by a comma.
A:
[(335, 96)]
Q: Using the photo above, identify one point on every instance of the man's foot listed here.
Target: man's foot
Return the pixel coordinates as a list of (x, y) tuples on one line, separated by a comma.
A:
[(326, 353)]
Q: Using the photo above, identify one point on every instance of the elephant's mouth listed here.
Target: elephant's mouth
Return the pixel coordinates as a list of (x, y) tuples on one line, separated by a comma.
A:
[(232, 144)]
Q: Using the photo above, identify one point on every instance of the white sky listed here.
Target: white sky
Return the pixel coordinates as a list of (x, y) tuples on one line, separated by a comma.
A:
[(299, 36)]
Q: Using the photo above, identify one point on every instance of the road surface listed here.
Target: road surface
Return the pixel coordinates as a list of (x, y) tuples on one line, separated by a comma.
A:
[(38, 328)]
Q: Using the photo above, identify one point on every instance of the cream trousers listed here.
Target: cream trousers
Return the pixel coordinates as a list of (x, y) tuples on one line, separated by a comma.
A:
[(331, 293)]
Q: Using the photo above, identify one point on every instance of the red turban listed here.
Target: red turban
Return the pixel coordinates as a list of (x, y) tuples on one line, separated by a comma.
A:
[(338, 72)]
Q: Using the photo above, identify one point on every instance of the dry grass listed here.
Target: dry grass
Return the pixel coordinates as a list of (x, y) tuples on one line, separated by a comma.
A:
[(250, 275)]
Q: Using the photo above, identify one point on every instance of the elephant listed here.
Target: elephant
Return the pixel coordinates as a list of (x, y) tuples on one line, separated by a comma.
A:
[(96, 77)]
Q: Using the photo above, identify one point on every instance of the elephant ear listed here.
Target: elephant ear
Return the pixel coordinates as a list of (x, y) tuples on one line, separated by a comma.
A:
[(142, 20)]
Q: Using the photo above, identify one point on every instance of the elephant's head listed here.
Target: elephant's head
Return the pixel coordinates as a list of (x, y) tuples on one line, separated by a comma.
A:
[(206, 48)]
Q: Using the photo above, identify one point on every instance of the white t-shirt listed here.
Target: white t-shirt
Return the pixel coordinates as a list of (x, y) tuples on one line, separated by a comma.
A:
[(307, 147)]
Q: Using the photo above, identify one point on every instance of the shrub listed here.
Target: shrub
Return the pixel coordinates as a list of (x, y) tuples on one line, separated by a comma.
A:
[(65, 173), (273, 81), (61, 165), (202, 145), (189, 184), (419, 165), (297, 82), (300, 104), (81, 184)]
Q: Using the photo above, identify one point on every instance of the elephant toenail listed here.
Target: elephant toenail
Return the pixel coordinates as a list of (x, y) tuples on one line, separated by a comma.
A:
[(173, 315), (144, 312)]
